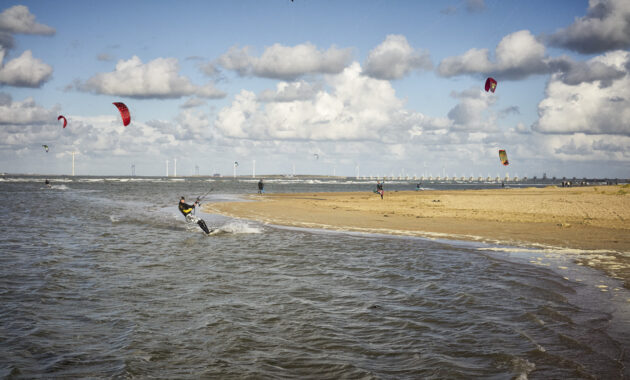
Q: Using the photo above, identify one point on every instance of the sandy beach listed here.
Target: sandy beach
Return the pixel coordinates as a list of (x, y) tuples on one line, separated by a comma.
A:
[(586, 218)]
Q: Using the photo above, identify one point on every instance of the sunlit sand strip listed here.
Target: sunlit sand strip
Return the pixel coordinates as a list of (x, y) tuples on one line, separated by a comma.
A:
[(591, 224)]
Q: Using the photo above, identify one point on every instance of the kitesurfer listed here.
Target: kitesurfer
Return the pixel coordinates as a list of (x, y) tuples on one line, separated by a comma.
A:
[(379, 188), (48, 183), (187, 209), (261, 186)]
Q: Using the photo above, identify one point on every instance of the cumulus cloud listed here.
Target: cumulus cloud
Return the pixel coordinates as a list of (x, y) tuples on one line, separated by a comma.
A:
[(587, 147), (25, 71), (193, 102), (19, 20), (356, 108), (288, 92), (605, 27), (596, 69), (469, 114), (24, 112), (394, 58), (510, 110), (210, 69), (588, 107), (156, 79), (518, 55), (285, 62)]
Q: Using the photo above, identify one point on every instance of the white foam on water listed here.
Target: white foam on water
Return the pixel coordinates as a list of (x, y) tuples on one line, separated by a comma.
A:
[(59, 187), (538, 248), (522, 367), (239, 227)]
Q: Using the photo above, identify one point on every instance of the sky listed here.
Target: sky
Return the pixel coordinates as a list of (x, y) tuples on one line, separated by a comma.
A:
[(356, 87)]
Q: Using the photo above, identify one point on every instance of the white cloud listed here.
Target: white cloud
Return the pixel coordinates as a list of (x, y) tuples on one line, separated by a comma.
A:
[(394, 58), (518, 55), (156, 79), (288, 92), (356, 108), (605, 27), (208, 91), (209, 68), (286, 62), (596, 69), (25, 71), (587, 147), (193, 102), (24, 112), (470, 113), (588, 107), (18, 19), (193, 125)]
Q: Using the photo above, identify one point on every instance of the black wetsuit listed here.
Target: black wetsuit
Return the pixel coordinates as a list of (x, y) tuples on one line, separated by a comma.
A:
[(186, 209)]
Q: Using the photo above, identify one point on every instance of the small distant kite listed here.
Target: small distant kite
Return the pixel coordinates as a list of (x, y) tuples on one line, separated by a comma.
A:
[(124, 112), (491, 84), (65, 122), (503, 157), (45, 147), (316, 156), (235, 163)]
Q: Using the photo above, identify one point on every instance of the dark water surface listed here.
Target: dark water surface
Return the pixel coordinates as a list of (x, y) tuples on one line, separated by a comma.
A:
[(101, 278)]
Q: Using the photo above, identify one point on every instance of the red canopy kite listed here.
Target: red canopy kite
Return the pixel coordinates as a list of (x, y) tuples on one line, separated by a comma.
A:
[(65, 122), (503, 157), (491, 84), (124, 112)]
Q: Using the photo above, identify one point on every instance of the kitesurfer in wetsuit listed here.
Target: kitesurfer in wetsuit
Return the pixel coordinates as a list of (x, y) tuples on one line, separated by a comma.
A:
[(187, 209), (261, 186)]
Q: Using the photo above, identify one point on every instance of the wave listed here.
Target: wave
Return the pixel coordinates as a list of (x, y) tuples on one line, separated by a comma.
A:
[(239, 227), (59, 187)]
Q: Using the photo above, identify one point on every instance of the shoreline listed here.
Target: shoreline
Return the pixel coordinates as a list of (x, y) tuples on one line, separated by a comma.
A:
[(593, 218)]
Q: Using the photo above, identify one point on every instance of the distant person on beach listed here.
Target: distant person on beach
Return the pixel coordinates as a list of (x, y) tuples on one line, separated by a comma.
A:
[(379, 188), (261, 186), (418, 186)]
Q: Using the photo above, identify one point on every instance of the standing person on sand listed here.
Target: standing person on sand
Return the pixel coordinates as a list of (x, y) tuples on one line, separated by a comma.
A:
[(379, 188), (261, 186)]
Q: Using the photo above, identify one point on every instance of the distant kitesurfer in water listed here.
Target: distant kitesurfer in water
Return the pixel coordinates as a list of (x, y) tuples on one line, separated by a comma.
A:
[(187, 209), (47, 182)]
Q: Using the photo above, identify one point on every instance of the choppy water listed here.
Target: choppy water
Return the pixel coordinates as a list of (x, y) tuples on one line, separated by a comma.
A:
[(101, 278)]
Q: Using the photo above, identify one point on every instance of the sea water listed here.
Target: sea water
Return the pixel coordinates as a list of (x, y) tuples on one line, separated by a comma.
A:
[(102, 278)]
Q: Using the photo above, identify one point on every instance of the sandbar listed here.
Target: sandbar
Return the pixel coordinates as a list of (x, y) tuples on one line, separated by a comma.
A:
[(594, 218)]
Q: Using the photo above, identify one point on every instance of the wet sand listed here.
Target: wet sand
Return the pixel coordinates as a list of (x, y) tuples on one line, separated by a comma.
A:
[(586, 218)]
